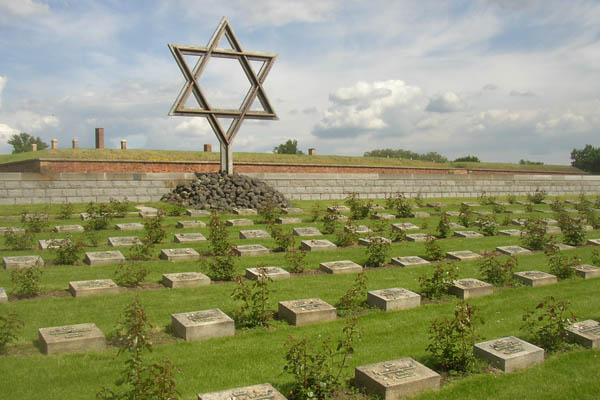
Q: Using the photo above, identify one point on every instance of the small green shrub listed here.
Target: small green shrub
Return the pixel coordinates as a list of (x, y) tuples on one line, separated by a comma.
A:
[(512, 199), (218, 236), (595, 257), (269, 211), (68, 252), (346, 237), (537, 197), (10, 328), (34, 222), (118, 208), (464, 216), (496, 272), (99, 216), (331, 221), (26, 282), (315, 212), (143, 251), (176, 210), (559, 264), (66, 211), (557, 205), (534, 234), (283, 241), (295, 259), (572, 230), (451, 341), (433, 251), (488, 225), (546, 323), (358, 208), (130, 274), (356, 296), (498, 208), (221, 268), (377, 251), (91, 237), (419, 199), (438, 284), (397, 235), (486, 200), (19, 241), (253, 297), (153, 230), (444, 226), (403, 207)]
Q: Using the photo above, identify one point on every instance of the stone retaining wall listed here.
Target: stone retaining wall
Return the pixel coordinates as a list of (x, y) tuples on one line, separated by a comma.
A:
[(26, 188)]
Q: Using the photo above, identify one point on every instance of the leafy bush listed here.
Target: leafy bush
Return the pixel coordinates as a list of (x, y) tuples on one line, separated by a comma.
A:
[(419, 199), (586, 159), (403, 207), (66, 210), (572, 230), (407, 155), (486, 200), (99, 216), (141, 251), (331, 221), (153, 230), (534, 235), (560, 265), (444, 226), (467, 159), (397, 235), (356, 296), (130, 274), (269, 211), (253, 297), (377, 251), (346, 237), (283, 240), (498, 273), (34, 222), (557, 205), (433, 251), (315, 212), (464, 216), (358, 208), (438, 284), (10, 327), (537, 197), (218, 236), (26, 282), (118, 208), (488, 225), (296, 260), (68, 252), (512, 199), (498, 208), (19, 241), (176, 210), (451, 341), (221, 268), (546, 323), (595, 257)]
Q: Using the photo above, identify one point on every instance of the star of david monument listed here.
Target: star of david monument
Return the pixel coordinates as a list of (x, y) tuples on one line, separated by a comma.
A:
[(202, 106)]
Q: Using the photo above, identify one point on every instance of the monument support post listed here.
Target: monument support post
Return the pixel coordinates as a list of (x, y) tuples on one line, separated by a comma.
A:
[(226, 158)]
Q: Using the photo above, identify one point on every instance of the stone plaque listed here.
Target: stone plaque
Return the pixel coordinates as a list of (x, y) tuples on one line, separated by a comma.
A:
[(518, 221), (367, 241), (95, 287), (197, 213), (254, 234), (509, 353), (250, 250), (239, 222), (417, 237), (244, 211), (185, 279), (257, 392), (379, 215), (451, 213), (191, 224), (522, 202), (587, 271), (96, 258), (470, 204), (482, 212), (340, 267), (189, 237), (544, 211), (510, 232), (338, 208), (552, 229), (454, 225), (586, 333), (435, 205), (409, 261), (357, 228), (3, 296), (68, 228), (562, 246), (317, 245), (393, 299), (292, 210), (550, 221), (52, 243), (512, 250), (84, 216), (132, 226), (468, 234), (179, 254), (463, 255), (124, 241), (535, 278), (405, 226), (200, 325), (147, 212), (71, 339), (288, 220), (501, 203), (396, 379), (306, 311), (515, 211), (12, 229), (275, 273), (22, 262), (307, 231), (594, 242), (469, 287)]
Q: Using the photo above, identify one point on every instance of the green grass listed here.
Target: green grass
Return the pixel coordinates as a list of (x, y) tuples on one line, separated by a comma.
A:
[(266, 158), (256, 356)]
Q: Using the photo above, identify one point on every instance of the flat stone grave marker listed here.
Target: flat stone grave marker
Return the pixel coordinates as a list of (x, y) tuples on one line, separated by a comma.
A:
[(470, 287), (454, 225), (482, 212), (358, 229), (306, 311), (275, 273), (535, 278), (367, 241), (571, 210), (383, 216), (594, 242), (569, 201), (509, 353), (131, 226), (96, 258), (95, 287), (147, 212), (587, 271), (501, 203), (417, 237), (200, 325), (586, 333), (377, 207), (197, 213), (189, 237), (552, 229), (421, 214), (317, 245), (341, 218), (3, 296), (396, 379), (409, 261), (18, 262), (547, 201), (250, 250), (550, 221), (256, 392), (244, 211), (191, 224), (185, 280), (71, 338), (510, 232), (512, 250), (463, 255), (451, 213), (562, 246), (12, 229), (239, 222), (515, 211), (254, 234), (393, 299), (48, 244), (543, 211), (468, 234), (179, 254), (124, 241), (435, 205), (307, 231), (292, 210), (29, 217), (288, 220), (518, 221), (338, 208), (84, 216), (405, 226), (340, 267), (68, 228), (522, 202), (588, 228), (470, 204)]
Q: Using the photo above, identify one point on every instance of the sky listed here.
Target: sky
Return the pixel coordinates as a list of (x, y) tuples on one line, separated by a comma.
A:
[(504, 80)]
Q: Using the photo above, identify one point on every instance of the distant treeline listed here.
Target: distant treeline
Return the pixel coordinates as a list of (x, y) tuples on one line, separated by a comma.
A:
[(407, 155)]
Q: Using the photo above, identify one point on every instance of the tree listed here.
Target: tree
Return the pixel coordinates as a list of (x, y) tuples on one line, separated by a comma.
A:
[(289, 147), (467, 159), (407, 155), (587, 159), (22, 142)]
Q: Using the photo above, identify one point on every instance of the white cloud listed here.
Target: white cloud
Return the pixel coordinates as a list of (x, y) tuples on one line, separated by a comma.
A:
[(522, 93), (3, 80), (446, 102), (23, 8)]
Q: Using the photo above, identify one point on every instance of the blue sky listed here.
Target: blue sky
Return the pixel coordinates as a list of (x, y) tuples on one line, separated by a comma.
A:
[(505, 80)]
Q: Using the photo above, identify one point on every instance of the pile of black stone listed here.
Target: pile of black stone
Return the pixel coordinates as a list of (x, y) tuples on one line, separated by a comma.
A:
[(219, 191)]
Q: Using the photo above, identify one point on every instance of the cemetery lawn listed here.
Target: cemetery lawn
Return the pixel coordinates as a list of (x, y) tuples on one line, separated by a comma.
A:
[(266, 158), (256, 356)]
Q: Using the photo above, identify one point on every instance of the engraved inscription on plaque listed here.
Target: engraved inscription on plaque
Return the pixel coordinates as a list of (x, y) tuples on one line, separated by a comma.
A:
[(393, 294), (69, 331), (508, 346), (308, 305), (395, 371), (201, 317)]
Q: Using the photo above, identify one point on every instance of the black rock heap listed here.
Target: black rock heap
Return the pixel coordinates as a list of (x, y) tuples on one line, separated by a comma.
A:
[(219, 191)]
